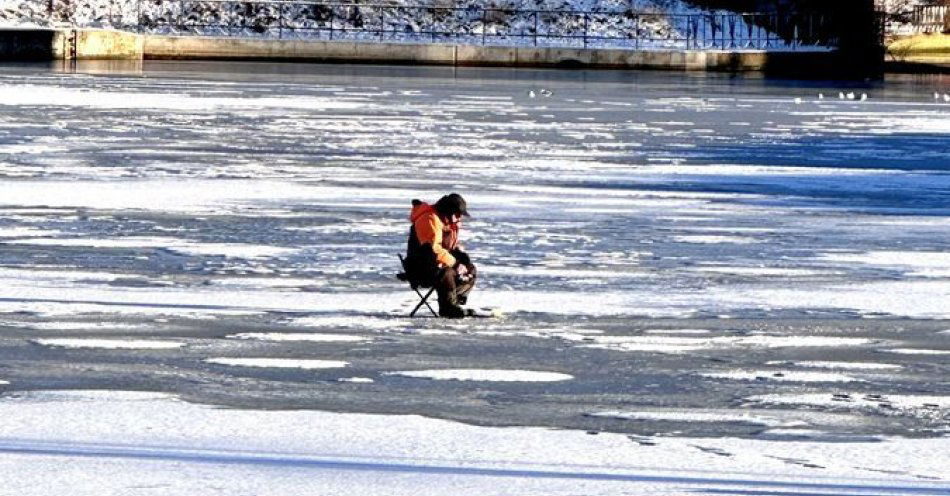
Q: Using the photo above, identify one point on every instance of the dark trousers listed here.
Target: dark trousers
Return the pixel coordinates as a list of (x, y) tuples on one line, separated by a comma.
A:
[(452, 290)]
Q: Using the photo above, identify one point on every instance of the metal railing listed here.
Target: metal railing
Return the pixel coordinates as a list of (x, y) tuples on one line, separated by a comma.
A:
[(931, 18), (432, 24)]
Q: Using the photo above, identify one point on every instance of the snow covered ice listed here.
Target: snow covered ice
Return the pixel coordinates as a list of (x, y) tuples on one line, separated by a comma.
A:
[(191, 447), (706, 286)]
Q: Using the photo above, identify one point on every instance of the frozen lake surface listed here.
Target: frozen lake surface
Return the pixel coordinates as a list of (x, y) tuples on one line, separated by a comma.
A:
[(679, 258)]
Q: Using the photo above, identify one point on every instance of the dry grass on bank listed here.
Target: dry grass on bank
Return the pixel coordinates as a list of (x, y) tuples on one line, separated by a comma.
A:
[(922, 44), (922, 48)]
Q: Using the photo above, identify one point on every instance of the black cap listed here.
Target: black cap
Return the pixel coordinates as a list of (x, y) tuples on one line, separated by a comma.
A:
[(452, 204)]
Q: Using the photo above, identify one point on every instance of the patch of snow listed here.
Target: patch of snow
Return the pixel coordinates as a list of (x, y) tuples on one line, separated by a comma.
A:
[(361, 227), (780, 376), (677, 331), (24, 94), (563, 194), (606, 273), (58, 212), (49, 292), (43, 275), (307, 364), (708, 239), (83, 326), (192, 195), (429, 332), (839, 365), (358, 380), (797, 341), (916, 405), (538, 332), (916, 351), (780, 171), (299, 336), (485, 375), (148, 439), (264, 282), (648, 346), (25, 232), (912, 221), (874, 123), (676, 344), (762, 271), (172, 244), (799, 433), (110, 344), (52, 309), (920, 299), (351, 322), (693, 415), (91, 397), (921, 263), (29, 148)]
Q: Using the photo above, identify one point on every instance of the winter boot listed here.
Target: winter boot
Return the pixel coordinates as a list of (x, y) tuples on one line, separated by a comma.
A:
[(449, 308), (450, 311)]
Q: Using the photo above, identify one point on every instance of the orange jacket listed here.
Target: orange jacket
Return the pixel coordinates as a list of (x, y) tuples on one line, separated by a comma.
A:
[(430, 229)]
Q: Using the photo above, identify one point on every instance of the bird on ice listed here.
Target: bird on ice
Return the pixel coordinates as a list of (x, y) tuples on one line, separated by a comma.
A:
[(546, 93), (821, 96), (840, 95), (531, 94), (946, 97), (864, 96), (850, 95), (798, 101)]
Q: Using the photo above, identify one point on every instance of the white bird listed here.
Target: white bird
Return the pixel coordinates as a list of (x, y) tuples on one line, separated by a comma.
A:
[(936, 95), (840, 96), (530, 93), (946, 97), (546, 93), (798, 101), (821, 96), (850, 95), (864, 96)]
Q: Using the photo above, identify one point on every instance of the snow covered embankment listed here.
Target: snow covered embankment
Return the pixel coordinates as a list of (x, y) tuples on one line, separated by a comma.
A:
[(639, 25)]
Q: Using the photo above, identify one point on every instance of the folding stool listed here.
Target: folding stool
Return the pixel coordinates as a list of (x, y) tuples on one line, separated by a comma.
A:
[(415, 285)]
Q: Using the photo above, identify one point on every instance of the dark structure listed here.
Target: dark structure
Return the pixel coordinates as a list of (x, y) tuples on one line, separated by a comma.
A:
[(856, 24), (22, 44)]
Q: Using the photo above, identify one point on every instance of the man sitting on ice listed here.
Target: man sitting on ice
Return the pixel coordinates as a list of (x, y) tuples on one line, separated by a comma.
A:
[(434, 256)]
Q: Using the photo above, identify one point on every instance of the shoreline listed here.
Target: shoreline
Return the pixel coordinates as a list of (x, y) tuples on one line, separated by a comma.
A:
[(100, 44)]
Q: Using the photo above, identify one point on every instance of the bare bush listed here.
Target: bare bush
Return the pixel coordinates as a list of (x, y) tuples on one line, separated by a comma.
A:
[(900, 50)]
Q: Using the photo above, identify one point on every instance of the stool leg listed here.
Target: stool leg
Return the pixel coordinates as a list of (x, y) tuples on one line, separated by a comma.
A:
[(414, 310), (424, 301)]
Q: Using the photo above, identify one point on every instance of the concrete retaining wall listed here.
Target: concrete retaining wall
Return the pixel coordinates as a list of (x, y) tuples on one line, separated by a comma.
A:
[(175, 47), (170, 47), (86, 44), (102, 44)]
